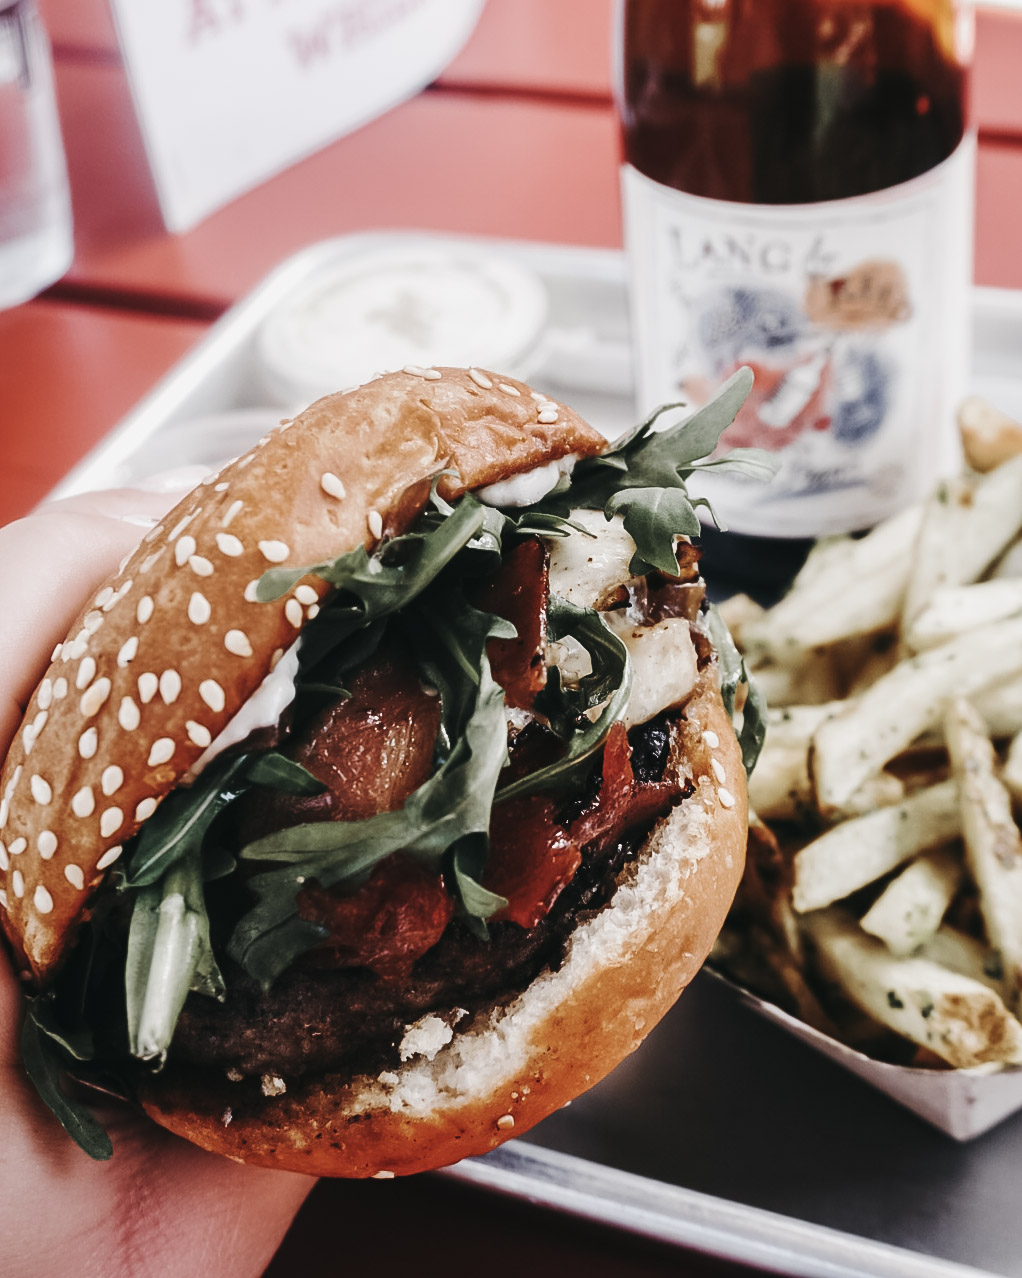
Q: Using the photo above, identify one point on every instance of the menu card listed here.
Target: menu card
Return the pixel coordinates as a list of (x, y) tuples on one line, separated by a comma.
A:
[(228, 92)]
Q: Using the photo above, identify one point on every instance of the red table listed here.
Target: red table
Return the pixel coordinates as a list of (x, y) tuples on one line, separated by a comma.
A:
[(530, 151)]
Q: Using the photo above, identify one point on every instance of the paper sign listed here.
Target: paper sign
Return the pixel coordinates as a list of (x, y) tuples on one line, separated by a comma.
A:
[(229, 92)]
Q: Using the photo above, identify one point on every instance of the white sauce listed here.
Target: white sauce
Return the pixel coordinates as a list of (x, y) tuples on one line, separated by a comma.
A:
[(528, 487), (262, 710)]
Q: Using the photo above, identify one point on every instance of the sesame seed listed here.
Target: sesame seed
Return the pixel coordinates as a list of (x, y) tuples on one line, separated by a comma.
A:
[(59, 689), (180, 526), (414, 370), (306, 595), (293, 612), (375, 522), (727, 799), (88, 742), (508, 389), (198, 734), (148, 685), (201, 567), (42, 900), (274, 551), (18, 883), (547, 417), (199, 611), (84, 803), (3, 898), (45, 694), (213, 695), (128, 650), (46, 843), (119, 594), (383, 1175), (233, 511), (331, 485), (74, 876), (5, 808), (718, 770), (183, 550), (110, 822), (148, 562), (313, 611), (278, 653), (162, 751), (93, 621), (242, 462), (94, 697), (86, 673), (228, 544), (5, 861), (711, 738), (18, 846), (57, 652), (250, 592), (222, 487), (144, 610), (145, 809), (505, 1122), (128, 714), (236, 641), (480, 379), (109, 856), (432, 374), (41, 789), (112, 779), (170, 686), (104, 596)]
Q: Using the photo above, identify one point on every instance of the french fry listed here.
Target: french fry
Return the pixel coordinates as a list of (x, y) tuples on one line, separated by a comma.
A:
[(855, 587), (1011, 773), (904, 704), (812, 683), (909, 911), (963, 953), (1009, 564), (963, 1021), (780, 787), (989, 436), (993, 844), (966, 525), (1000, 707), (863, 849), (737, 611), (956, 610)]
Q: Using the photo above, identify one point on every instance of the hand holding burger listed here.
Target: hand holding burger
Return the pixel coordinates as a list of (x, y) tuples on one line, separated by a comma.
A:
[(387, 795), (59, 1204)]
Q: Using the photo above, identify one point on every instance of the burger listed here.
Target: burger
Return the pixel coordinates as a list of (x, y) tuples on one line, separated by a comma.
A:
[(389, 793)]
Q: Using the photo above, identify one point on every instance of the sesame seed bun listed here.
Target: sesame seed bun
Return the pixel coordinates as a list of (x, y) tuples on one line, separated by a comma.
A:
[(517, 1062), (173, 644), (169, 649)]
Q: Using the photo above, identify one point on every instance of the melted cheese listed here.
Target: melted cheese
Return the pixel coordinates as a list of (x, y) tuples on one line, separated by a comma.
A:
[(586, 570), (663, 664)]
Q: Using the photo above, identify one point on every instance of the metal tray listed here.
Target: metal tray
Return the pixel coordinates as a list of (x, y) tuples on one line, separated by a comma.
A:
[(722, 1133)]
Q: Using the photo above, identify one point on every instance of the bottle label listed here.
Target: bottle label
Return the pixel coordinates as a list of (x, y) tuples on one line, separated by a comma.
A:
[(852, 314)]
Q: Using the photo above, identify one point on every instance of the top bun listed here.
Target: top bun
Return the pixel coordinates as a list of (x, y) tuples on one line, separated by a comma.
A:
[(174, 643)]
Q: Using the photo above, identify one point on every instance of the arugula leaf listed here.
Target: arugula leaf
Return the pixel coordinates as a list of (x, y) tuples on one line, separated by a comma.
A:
[(277, 772), (610, 684), (44, 1053), (179, 825), (169, 954), (643, 474), (453, 803), (732, 673)]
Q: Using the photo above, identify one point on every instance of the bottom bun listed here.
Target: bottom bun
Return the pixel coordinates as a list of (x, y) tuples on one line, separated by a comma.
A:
[(512, 1065)]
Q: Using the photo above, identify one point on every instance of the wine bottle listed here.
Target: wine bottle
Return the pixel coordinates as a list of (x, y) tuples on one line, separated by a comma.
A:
[(797, 188)]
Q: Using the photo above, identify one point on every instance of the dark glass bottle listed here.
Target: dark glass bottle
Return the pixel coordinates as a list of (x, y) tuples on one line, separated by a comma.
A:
[(797, 190)]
